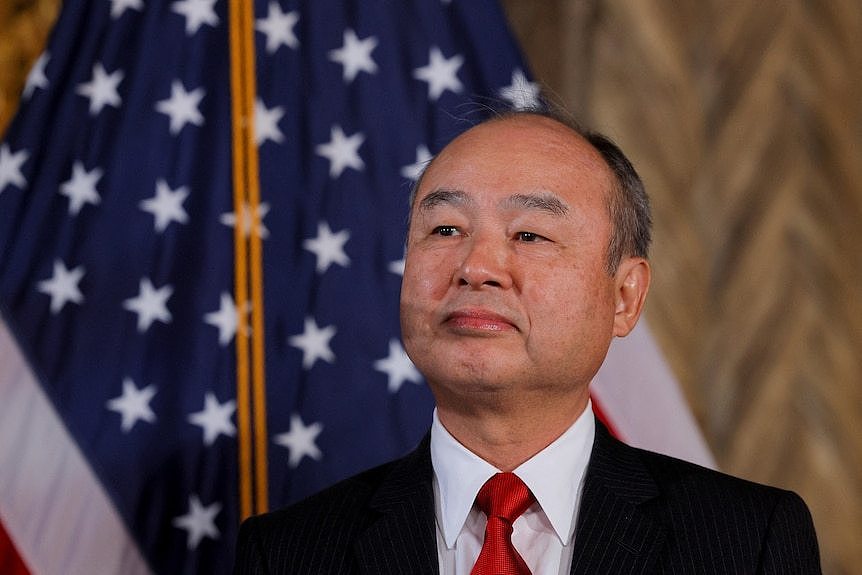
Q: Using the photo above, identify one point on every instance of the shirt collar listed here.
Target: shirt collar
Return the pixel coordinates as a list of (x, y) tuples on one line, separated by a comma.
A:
[(554, 475)]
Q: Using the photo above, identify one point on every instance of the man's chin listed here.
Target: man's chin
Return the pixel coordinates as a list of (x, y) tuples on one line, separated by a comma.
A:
[(470, 380)]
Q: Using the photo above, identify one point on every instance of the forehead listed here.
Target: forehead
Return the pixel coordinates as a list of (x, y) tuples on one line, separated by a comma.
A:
[(521, 154)]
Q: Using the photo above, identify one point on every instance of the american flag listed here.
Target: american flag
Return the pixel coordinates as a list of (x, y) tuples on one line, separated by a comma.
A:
[(117, 260)]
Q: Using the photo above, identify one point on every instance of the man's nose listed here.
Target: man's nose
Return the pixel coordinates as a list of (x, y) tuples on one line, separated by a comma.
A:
[(485, 264)]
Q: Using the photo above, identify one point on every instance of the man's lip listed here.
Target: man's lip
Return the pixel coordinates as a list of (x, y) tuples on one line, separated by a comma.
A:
[(479, 319)]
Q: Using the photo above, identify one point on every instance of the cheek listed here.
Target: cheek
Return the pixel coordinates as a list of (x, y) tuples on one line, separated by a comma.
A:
[(568, 303), (424, 285), (426, 276), (429, 285)]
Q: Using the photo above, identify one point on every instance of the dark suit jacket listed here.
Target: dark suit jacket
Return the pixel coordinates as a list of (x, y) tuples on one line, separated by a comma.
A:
[(641, 513)]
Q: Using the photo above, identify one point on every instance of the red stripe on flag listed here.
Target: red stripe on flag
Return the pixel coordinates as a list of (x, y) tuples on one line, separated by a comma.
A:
[(601, 416), (10, 562)]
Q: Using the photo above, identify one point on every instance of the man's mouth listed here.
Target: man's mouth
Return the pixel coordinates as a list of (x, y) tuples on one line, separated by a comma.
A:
[(478, 319)]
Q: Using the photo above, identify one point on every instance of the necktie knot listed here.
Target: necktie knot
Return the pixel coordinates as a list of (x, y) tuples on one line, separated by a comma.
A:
[(504, 496)]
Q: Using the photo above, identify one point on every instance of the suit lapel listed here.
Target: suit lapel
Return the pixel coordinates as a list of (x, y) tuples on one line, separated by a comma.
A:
[(402, 537), (615, 532)]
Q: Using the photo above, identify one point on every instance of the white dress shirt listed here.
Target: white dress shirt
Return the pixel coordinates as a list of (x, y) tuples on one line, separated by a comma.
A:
[(544, 534)]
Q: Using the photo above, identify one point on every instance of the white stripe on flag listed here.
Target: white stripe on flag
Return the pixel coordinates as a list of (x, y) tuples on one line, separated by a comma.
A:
[(643, 401), (51, 504)]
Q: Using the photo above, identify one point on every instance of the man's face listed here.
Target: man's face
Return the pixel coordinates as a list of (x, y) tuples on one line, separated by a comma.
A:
[(505, 285)]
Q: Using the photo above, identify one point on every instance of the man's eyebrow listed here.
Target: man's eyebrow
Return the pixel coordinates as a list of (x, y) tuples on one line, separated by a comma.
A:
[(444, 196), (543, 201)]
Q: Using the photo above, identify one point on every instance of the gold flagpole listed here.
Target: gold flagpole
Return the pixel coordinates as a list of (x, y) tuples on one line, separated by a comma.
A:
[(251, 383)]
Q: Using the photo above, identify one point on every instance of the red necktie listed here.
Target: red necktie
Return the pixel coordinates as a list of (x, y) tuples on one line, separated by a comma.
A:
[(503, 499)]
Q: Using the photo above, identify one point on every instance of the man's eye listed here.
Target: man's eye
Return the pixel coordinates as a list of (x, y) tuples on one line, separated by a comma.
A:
[(528, 237), (446, 231)]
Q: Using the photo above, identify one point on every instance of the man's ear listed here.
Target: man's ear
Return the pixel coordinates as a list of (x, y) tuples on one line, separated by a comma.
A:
[(631, 285)]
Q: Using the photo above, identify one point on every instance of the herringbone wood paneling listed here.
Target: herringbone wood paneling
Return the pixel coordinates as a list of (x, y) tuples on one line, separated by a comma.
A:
[(745, 119)]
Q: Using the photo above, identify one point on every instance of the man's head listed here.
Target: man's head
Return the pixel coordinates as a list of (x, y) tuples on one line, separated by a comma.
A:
[(517, 276)]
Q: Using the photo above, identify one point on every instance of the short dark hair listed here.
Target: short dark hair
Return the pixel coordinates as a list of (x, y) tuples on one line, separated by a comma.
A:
[(628, 204)]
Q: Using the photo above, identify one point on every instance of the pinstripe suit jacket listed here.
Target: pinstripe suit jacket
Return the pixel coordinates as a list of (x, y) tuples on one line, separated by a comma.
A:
[(640, 513)]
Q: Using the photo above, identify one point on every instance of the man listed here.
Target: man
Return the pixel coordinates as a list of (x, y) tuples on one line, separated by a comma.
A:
[(526, 255)]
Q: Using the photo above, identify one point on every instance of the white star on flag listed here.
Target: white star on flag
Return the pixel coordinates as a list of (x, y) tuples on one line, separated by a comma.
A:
[(10, 167), (397, 267), (355, 55), (413, 171), (300, 440), (199, 521), (120, 6), (150, 304), (249, 220), (182, 107), (133, 405), (102, 89), (81, 187), (278, 28), (266, 123), (342, 151), (197, 13), (226, 319), (398, 367), (440, 73), (314, 343), (37, 77), (166, 205), (328, 247), (215, 418), (522, 93), (63, 286)]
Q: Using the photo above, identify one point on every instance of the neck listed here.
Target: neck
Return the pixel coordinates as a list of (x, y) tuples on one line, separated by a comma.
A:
[(508, 435)]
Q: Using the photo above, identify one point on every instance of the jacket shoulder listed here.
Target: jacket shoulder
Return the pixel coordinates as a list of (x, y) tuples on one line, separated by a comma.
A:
[(727, 521), (297, 535), (341, 498), (630, 468), (679, 478), (322, 533)]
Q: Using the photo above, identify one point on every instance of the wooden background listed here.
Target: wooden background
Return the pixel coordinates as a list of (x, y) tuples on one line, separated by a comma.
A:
[(745, 119)]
